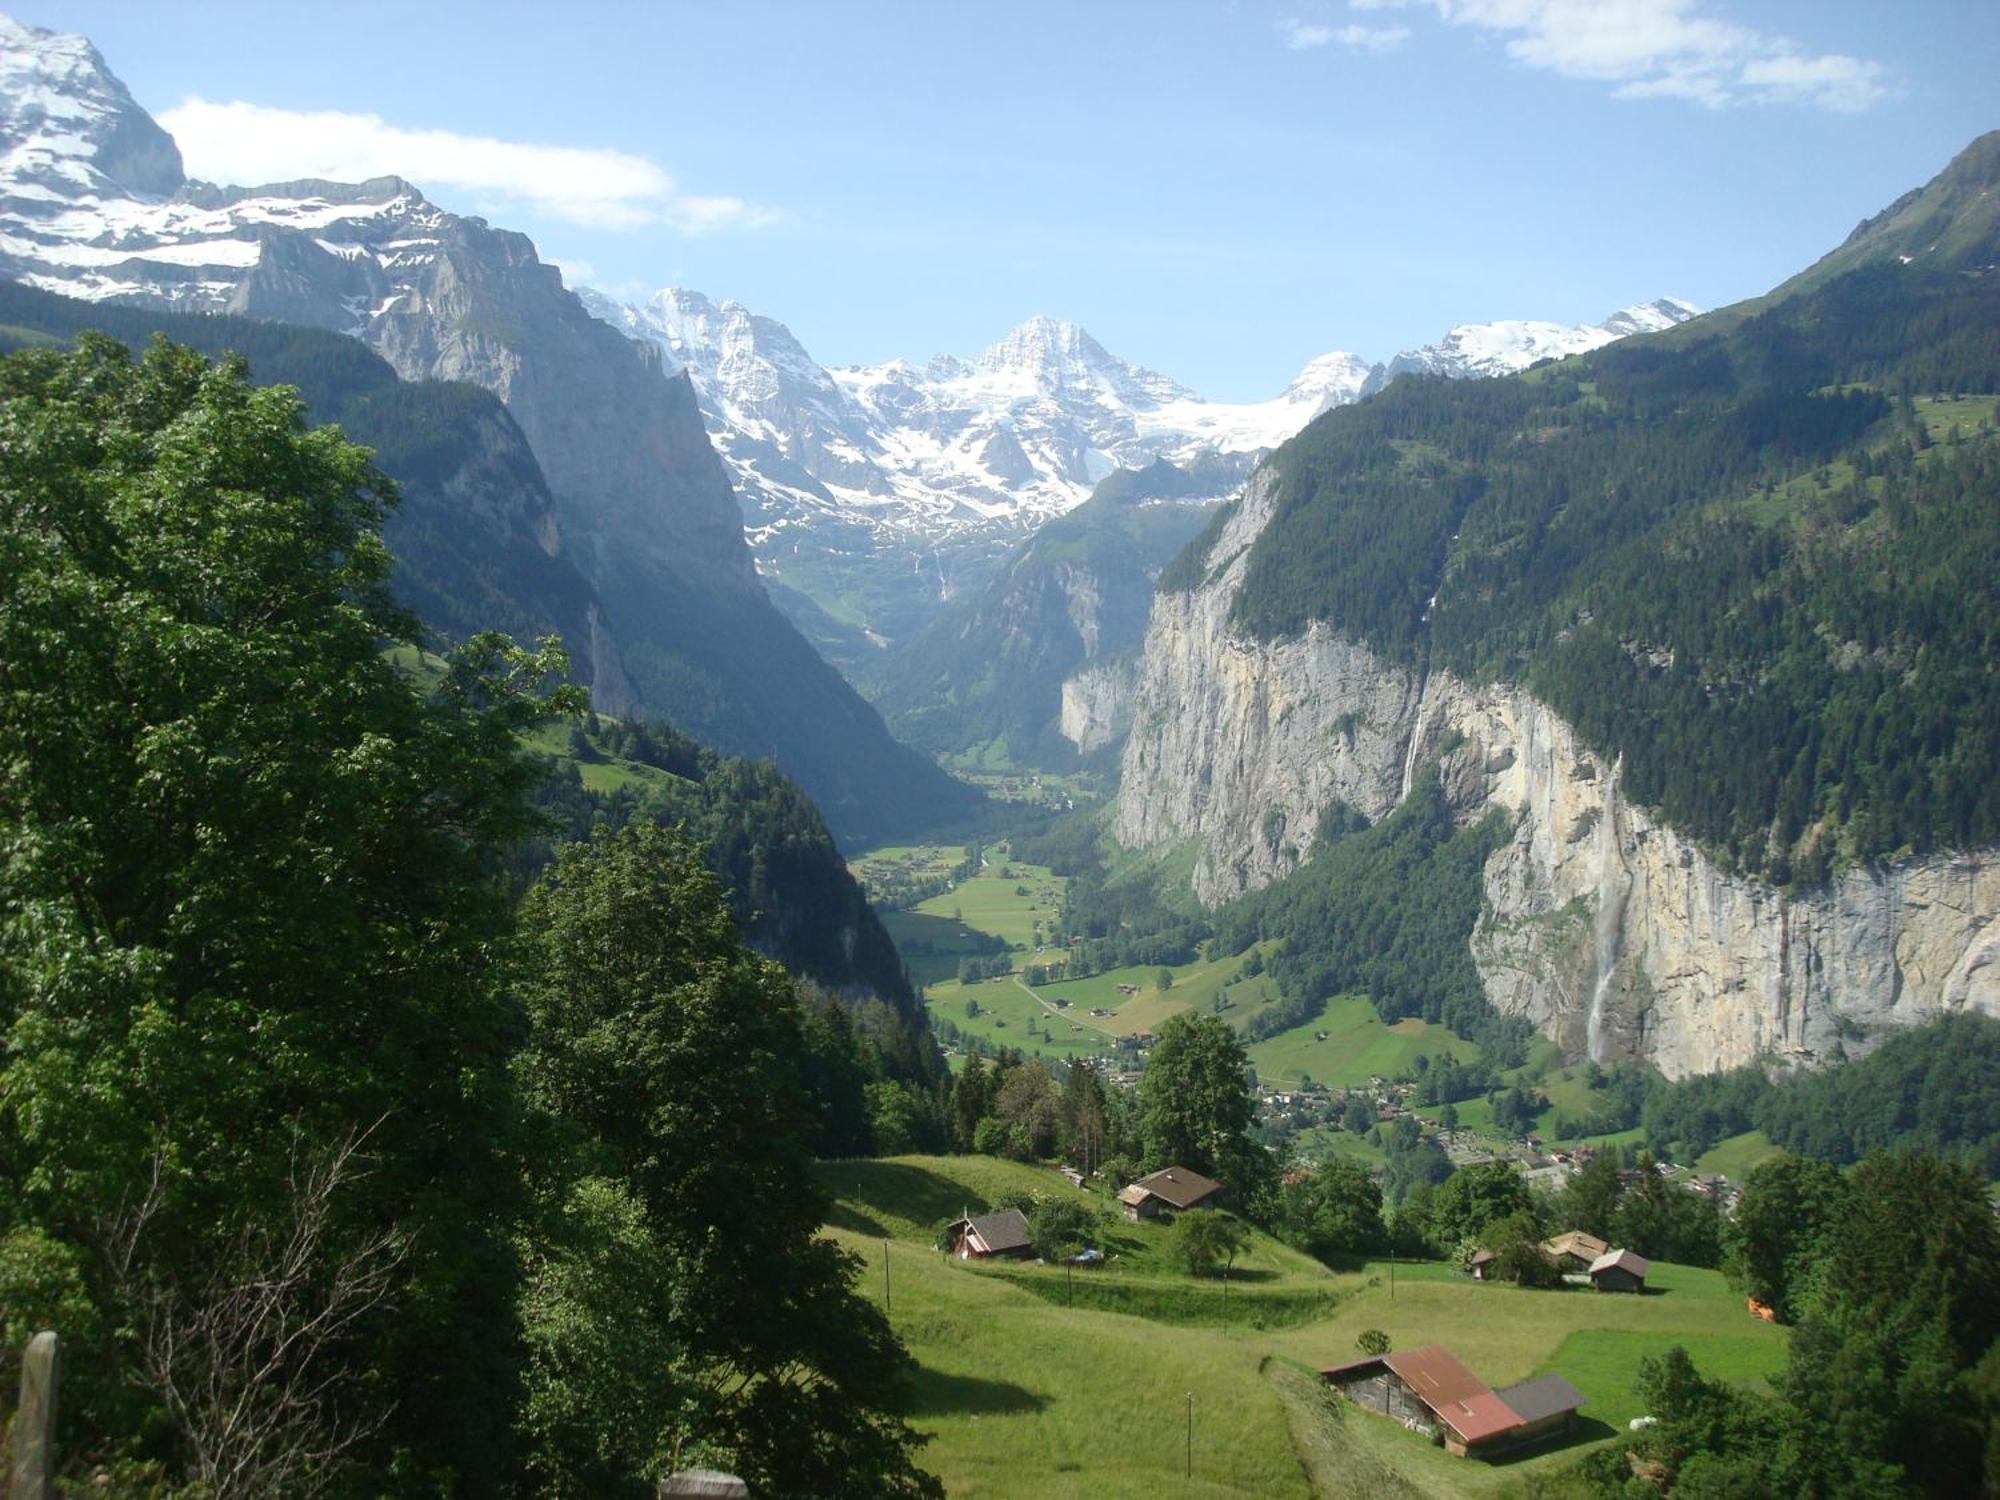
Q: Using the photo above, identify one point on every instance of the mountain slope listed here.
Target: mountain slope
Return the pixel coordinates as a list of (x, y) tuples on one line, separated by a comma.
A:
[(92, 205), (987, 677), (1709, 614)]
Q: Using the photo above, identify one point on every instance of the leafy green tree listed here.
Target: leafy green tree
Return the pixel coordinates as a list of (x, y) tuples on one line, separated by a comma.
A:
[(1060, 1226), (1589, 1200), (1195, 1108), (1473, 1197), (968, 1103), (668, 1052), (248, 911), (1028, 1103), (1333, 1210), (1163, 978), (1204, 1239), (1786, 1228), (1516, 1243), (1372, 1341)]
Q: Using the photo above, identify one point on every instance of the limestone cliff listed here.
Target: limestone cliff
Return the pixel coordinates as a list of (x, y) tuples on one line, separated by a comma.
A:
[(1615, 935)]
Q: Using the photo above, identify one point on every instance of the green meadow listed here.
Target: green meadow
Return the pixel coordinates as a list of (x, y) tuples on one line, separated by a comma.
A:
[(1347, 1044), (1024, 1395)]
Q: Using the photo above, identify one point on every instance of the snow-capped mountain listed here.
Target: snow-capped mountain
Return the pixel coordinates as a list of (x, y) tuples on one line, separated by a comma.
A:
[(1501, 348)]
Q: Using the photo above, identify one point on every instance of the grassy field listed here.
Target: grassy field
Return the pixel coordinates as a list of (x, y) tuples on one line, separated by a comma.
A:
[(1025, 1396), (1738, 1156), (1348, 1043)]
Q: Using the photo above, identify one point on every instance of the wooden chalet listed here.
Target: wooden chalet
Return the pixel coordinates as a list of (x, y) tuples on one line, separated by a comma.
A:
[(1003, 1234), (1170, 1188), (1574, 1250), (1619, 1271), (1429, 1391)]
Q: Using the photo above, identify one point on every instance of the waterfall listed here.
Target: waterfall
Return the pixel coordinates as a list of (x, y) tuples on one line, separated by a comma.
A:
[(1614, 889), (1416, 741)]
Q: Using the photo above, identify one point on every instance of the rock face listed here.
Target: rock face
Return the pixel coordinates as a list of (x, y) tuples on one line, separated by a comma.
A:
[(1613, 934), (1097, 705)]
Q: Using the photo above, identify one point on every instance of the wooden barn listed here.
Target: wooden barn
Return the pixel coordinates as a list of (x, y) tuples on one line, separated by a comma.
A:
[(1619, 1271), (1004, 1234), (1429, 1391), (1172, 1187), (1574, 1250)]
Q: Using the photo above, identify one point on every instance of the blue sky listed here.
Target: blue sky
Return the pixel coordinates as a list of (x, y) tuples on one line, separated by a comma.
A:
[(1219, 191)]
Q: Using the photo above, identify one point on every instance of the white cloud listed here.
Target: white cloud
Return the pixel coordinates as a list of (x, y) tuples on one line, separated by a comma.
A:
[(1301, 36), (247, 144), (1672, 49)]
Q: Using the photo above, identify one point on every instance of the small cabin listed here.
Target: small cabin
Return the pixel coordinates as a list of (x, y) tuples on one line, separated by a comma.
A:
[(1174, 1188), (1619, 1271), (1481, 1265), (1429, 1391), (1003, 1235)]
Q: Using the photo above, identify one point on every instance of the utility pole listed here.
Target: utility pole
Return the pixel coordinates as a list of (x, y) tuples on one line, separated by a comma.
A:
[(885, 1276), (1392, 1278), (1069, 1279), (1190, 1435)]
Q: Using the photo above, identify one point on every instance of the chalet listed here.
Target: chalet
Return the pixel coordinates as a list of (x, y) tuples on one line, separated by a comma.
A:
[(1574, 1250), (1173, 1187), (1003, 1235), (1429, 1391), (1481, 1265), (1619, 1271)]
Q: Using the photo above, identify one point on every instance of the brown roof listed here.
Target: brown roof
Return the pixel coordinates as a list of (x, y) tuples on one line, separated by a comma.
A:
[(1576, 1242), (1006, 1230), (1544, 1396), (1177, 1186), (1480, 1257), (1623, 1260)]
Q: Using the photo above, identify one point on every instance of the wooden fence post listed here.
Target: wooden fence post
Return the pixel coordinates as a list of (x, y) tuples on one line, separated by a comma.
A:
[(35, 1420)]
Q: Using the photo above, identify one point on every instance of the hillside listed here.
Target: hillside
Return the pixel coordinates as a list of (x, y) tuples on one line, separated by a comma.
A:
[(1024, 1395), (1707, 617), (989, 678)]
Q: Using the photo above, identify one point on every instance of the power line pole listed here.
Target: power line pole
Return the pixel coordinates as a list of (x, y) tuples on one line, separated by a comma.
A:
[(885, 1276)]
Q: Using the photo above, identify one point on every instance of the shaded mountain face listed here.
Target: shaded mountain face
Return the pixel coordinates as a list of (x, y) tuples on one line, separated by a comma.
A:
[(92, 205), (989, 676), (876, 495), (1708, 616)]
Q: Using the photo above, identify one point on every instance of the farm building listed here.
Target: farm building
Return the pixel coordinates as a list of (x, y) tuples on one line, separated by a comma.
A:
[(1619, 1271), (1429, 1391), (1481, 1264), (1574, 1251), (1002, 1234), (1172, 1187)]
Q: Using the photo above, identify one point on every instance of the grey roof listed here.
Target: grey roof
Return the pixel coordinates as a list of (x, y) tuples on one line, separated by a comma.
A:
[(1622, 1260), (1006, 1230), (1544, 1396)]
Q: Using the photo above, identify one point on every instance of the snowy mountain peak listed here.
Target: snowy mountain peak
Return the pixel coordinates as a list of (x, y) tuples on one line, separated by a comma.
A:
[(1053, 356), (1511, 344), (67, 125)]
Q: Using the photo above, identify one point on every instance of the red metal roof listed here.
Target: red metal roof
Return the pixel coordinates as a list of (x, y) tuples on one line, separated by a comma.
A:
[(1463, 1401)]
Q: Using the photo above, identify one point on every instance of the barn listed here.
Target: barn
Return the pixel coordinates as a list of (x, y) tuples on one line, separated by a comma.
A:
[(1429, 1391), (1619, 1271), (1574, 1250), (1004, 1234), (1171, 1187)]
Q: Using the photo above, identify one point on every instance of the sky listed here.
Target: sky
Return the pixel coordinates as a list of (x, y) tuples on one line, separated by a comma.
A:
[(1218, 191)]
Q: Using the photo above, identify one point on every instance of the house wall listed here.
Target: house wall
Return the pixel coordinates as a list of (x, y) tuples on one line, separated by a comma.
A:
[(1617, 1279)]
